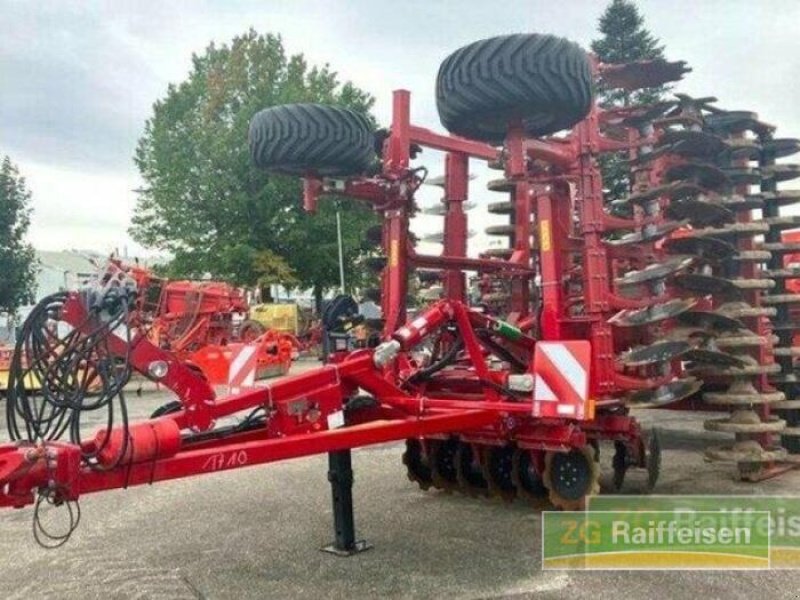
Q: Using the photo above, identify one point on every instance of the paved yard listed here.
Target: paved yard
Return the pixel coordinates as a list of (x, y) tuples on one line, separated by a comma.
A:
[(255, 533)]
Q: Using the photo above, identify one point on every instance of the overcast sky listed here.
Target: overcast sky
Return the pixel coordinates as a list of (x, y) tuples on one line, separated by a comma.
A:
[(79, 78)]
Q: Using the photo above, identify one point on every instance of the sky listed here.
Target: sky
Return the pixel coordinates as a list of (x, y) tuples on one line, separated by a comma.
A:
[(79, 78)]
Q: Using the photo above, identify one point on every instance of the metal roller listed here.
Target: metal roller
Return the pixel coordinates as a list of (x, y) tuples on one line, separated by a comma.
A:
[(745, 421), (755, 256), (782, 198), (742, 392), (500, 208), (439, 210), (733, 230), (504, 253), (501, 185), (743, 310), (749, 367), (500, 230)]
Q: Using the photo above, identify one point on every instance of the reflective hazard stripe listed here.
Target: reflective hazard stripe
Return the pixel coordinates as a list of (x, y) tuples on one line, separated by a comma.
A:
[(568, 366), (242, 372), (542, 391), (561, 379)]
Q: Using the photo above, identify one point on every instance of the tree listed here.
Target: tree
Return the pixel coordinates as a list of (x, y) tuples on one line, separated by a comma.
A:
[(206, 204), (17, 258), (272, 269), (624, 39)]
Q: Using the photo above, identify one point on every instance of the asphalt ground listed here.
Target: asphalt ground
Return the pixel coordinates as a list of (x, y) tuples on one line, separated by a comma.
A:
[(256, 533)]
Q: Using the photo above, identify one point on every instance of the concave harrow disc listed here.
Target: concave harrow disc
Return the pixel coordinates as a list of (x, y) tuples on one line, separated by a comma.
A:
[(674, 191), (443, 464), (704, 175), (705, 248), (712, 357), (710, 320), (666, 394), (653, 354), (743, 175), (690, 143), (650, 233), (654, 272), (782, 172), (649, 458), (736, 121), (498, 466), (706, 284), (699, 211), (781, 147), (571, 477), (528, 479), (416, 460), (469, 471), (652, 314)]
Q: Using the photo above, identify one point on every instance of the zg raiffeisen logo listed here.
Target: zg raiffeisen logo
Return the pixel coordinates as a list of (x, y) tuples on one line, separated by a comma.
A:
[(684, 532)]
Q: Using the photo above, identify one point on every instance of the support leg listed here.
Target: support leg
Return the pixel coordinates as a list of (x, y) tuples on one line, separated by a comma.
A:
[(340, 474)]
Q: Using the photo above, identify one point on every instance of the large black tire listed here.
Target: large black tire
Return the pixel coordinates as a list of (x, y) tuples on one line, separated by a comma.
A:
[(301, 139), (544, 80), (249, 330)]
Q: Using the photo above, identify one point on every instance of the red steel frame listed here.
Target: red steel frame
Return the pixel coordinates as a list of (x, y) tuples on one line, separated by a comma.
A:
[(298, 408)]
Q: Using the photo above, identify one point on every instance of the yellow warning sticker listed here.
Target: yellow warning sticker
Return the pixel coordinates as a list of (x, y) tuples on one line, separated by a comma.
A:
[(394, 253), (545, 236)]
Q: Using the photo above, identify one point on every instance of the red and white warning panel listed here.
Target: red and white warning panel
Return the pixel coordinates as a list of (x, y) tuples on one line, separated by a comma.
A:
[(561, 380), (242, 372)]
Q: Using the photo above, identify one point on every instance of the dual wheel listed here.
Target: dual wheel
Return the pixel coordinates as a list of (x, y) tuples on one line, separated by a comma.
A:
[(540, 83)]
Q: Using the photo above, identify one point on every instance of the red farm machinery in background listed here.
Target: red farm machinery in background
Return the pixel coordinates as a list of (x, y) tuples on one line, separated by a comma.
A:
[(672, 296), (206, 324)]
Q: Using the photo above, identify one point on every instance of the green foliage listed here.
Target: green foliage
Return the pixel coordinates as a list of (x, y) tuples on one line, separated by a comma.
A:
[(273, 269), (624, 39), (203, 200), (17, 258)]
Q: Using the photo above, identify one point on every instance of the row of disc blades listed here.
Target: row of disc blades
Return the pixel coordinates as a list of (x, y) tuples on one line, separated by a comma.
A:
[(716, 252), (671, 238), (559, 479)]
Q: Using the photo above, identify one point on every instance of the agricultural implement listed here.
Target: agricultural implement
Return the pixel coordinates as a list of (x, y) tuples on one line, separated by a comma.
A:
[(205, 324), (673, 296)]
